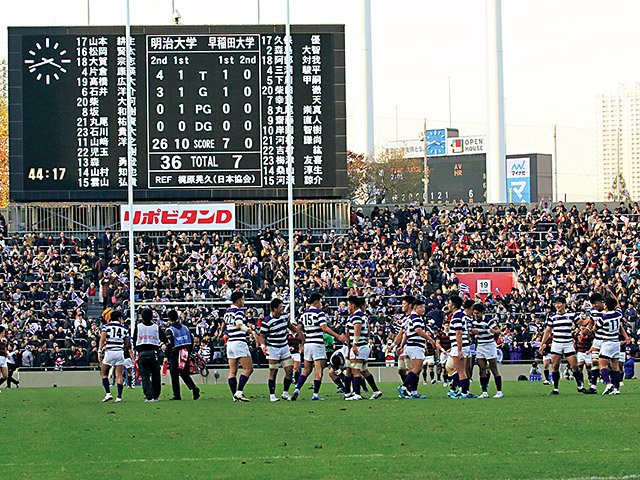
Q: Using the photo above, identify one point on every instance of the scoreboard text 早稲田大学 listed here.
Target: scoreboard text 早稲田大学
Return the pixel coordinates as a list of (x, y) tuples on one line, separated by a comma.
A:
[(208, 112)]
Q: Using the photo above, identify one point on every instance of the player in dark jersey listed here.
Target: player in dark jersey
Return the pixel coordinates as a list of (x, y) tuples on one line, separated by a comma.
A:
[(443, 346), (545, 351), (583, 338), (293, 341), (430, 358), (595, 314), (273, 341), (4, 369), (561, 324)]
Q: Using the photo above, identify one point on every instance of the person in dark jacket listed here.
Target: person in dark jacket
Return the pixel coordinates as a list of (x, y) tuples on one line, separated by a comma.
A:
[(147, 338), (179, 344)]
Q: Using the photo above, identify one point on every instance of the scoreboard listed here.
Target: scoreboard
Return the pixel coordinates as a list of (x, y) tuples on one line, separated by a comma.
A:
[(457, 177), (208, 106)]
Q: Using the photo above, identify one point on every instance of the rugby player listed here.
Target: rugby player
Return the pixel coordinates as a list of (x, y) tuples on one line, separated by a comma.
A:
[(237, 346), (584, 341), (595, 313), (273, 341), (416, 339), (359, 349), (460, 347), (312, 324), (485, 329), (114, 340), (4, 369), (610, 326), (404, 364), (443, 346), (428, 365), (561, 324)]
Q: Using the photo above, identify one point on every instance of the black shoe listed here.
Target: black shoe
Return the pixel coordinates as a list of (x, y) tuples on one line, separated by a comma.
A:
[(581, 390), (174, 398), (554, 392), (591, 391), (196, 393)]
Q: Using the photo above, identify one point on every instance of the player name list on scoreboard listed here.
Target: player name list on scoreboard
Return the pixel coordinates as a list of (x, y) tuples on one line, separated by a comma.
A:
[(209, 112)]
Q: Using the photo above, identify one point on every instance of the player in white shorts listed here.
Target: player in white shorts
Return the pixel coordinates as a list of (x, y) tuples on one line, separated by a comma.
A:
[(485, 329), (273, 341), (611, 326), (114, 341)]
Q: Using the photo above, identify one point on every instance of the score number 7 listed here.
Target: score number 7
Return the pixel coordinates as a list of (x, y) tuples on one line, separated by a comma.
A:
[(237, 159)]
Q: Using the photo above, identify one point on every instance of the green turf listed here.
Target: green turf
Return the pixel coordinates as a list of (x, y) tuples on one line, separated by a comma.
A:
[(67, 433)]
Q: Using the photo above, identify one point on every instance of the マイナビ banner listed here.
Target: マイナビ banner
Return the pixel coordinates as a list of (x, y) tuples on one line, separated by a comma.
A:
[(198, 216)]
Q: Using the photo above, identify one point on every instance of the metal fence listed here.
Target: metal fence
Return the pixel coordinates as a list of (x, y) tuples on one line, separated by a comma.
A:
[(251, 216)]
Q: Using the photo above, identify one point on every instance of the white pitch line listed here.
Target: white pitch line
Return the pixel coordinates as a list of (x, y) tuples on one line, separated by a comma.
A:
[(103, 461)]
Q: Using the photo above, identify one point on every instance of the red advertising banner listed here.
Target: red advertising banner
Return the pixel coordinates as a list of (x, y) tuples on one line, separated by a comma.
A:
[(484, 283), (198, 216)]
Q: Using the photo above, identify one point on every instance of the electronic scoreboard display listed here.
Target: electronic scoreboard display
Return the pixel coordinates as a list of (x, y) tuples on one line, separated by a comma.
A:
[(208, 105), (457, 177)]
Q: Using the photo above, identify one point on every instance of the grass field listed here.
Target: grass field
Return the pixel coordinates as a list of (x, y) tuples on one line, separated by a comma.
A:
[(67, 433)]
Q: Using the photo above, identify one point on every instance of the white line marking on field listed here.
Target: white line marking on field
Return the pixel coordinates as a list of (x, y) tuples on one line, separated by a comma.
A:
[(105, 461)]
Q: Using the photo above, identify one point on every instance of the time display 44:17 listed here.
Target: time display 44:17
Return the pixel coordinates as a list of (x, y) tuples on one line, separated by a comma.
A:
[(46, 173)]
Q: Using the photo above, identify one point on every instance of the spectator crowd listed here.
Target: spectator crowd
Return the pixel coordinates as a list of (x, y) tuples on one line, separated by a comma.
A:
[(54, 286)]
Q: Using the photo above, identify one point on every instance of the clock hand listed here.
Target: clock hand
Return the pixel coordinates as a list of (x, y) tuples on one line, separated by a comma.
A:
[(54, 64), (43, 62)]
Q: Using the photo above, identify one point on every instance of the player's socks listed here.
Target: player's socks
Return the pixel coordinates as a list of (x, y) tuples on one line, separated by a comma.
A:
[(286, 384), (120, 387), (233, 385), (356, 385), (464, 385), (546, 374), (272, 387), (556, 379), (242, 382), (484, 383), (372, 383), (316, 386), (403, 375), (432, 375), (409, 381), (105, 384), (339, 383), (347, 384), (615, 378), (605, 376), (455, 381), (424, 375), (577, 374), (498, 380), (301, 381), (445, 377)]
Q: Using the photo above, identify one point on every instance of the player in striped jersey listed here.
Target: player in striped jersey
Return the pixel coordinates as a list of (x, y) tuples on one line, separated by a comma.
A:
[(416, 340), (274, 344), (485, 329), (460, 348), (358, 348), (312, 324), (114, 341), (561, 324), (404, 364), (610, 326), (237, 346)]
